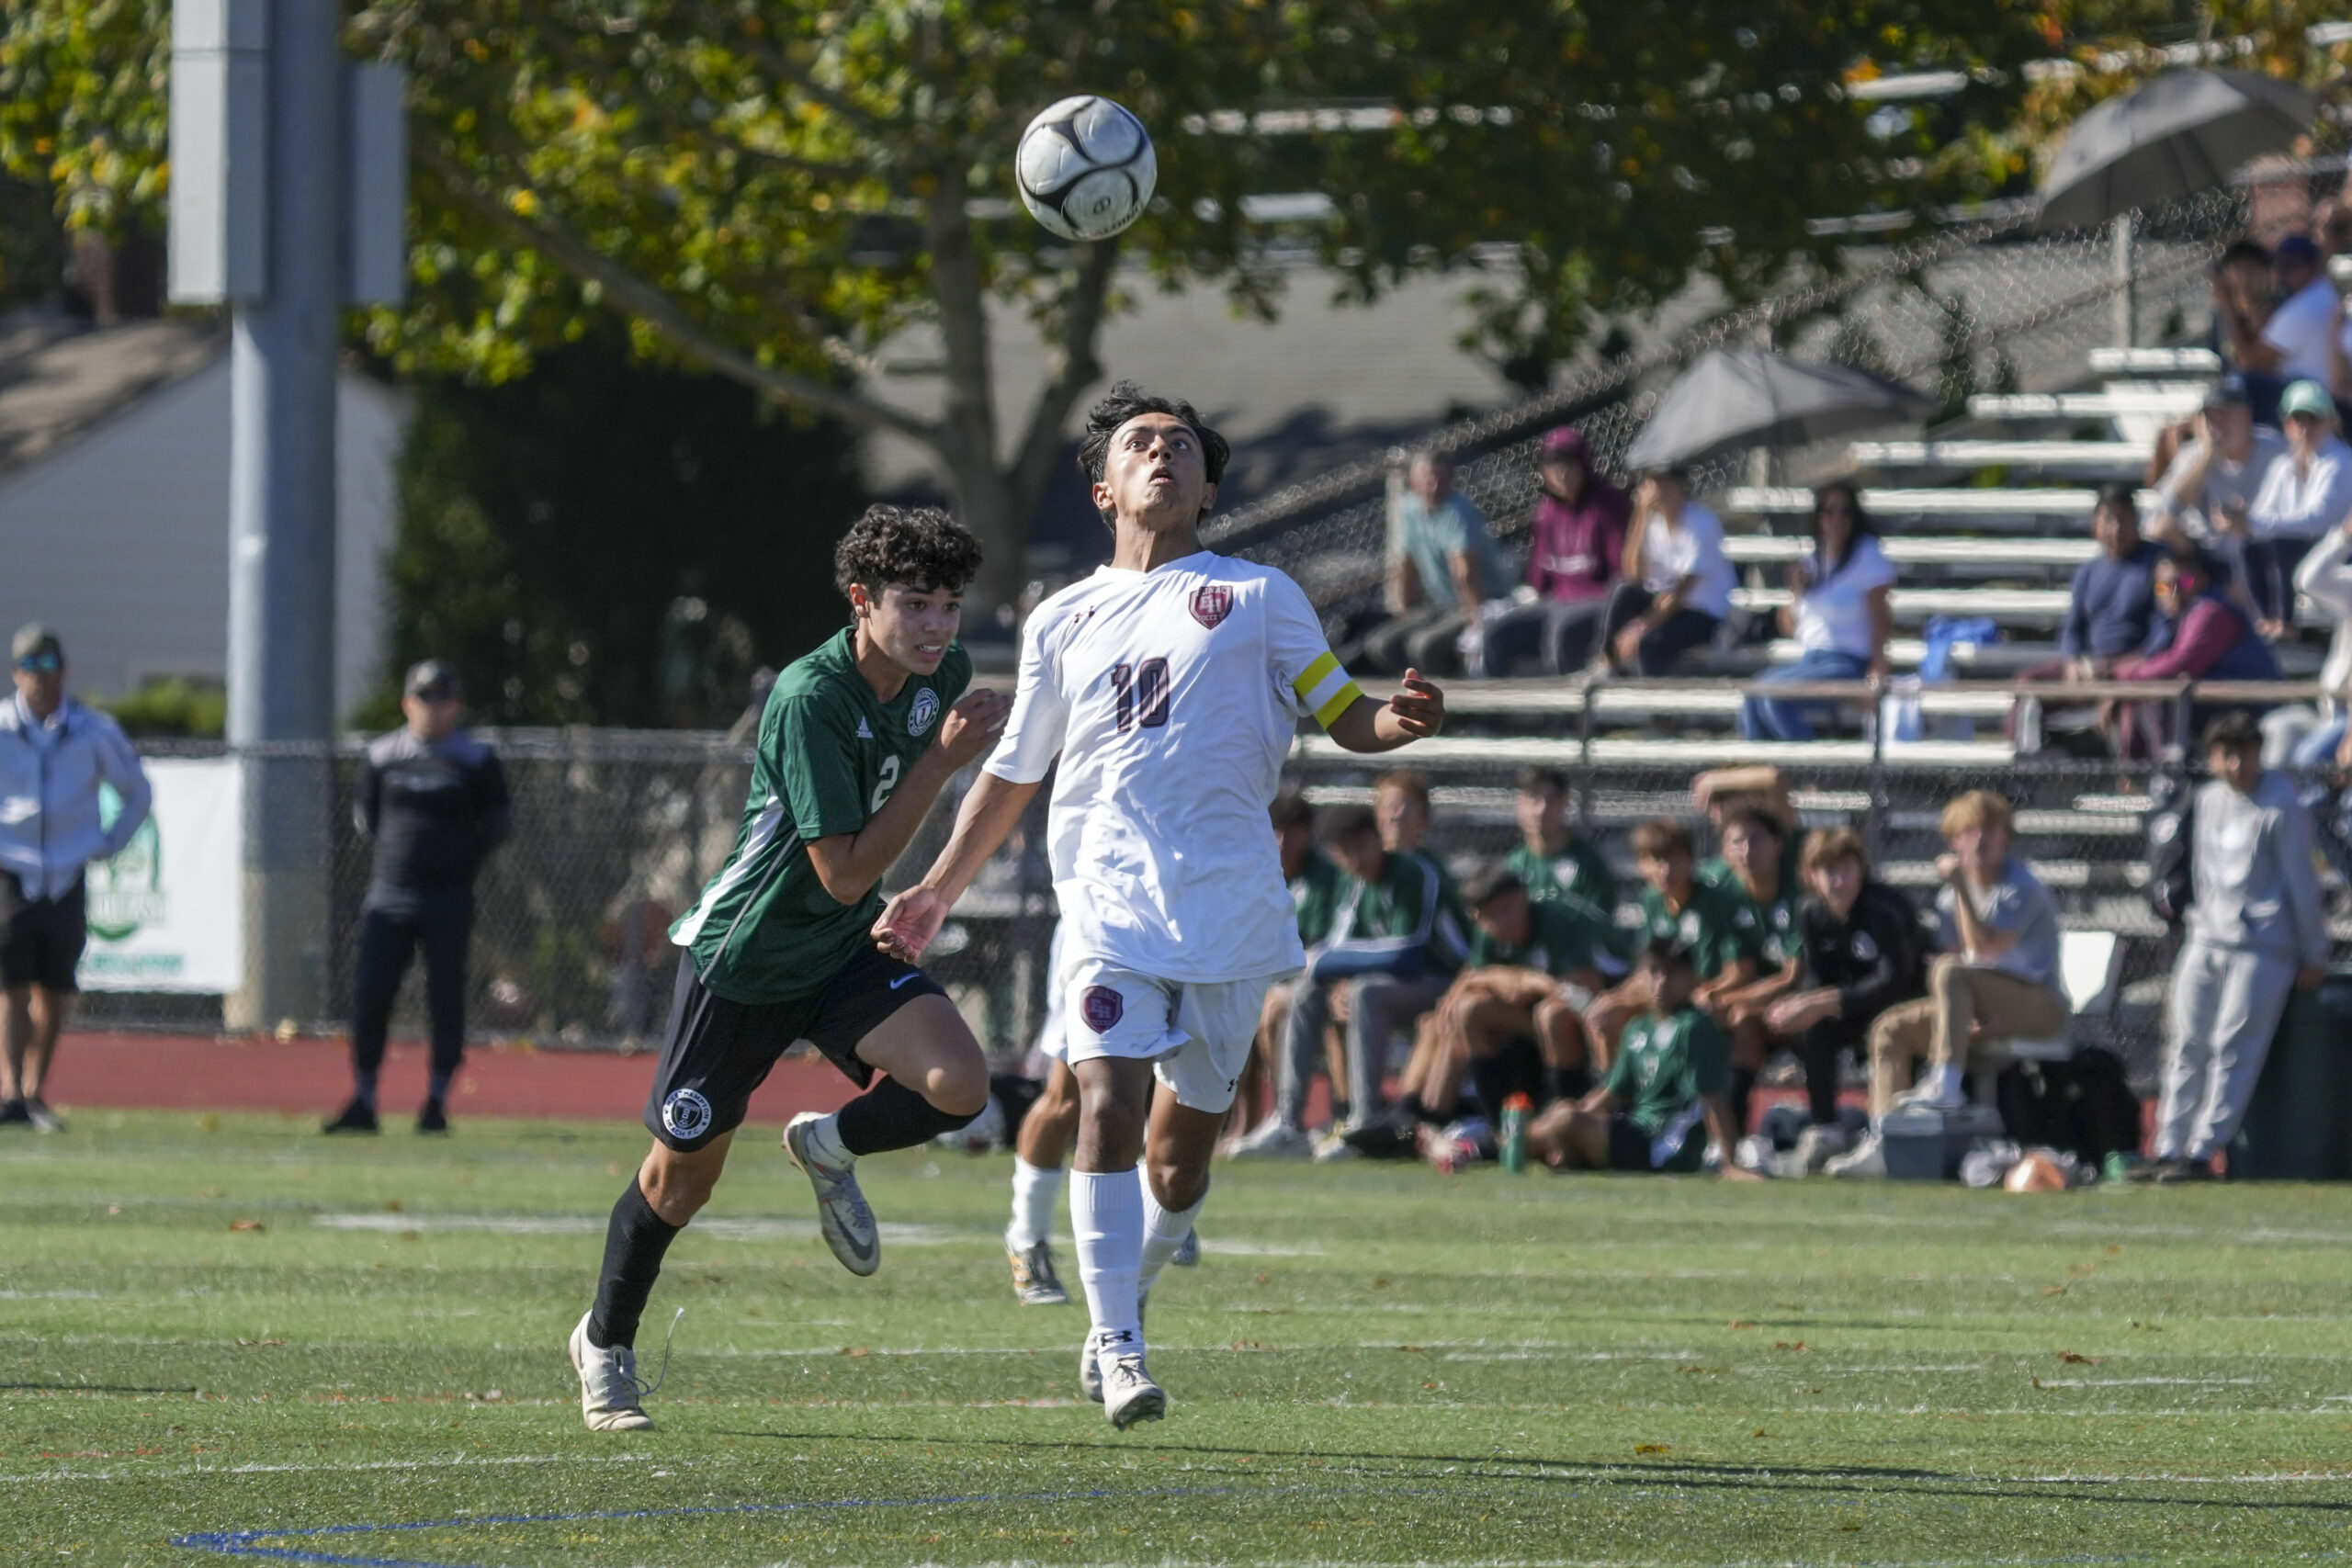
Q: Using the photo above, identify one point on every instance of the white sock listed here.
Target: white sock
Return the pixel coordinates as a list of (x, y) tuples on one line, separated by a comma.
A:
[(1106, 1211), (1164, 1231), (824, 1141), (1947, 1082), (1036, 1189)]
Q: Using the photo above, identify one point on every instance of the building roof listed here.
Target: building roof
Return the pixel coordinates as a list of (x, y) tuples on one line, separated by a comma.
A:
[(60, 378)]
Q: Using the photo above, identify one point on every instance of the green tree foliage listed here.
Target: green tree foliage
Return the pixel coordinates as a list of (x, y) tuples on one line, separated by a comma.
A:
[(602, 541), (83, 105)]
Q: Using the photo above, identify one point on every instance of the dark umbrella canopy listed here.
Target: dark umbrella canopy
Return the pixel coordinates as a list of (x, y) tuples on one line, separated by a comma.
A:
[(2183, 132), (1746, 397)]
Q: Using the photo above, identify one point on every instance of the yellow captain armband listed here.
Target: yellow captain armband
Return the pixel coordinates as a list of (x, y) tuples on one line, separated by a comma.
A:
[(1325, 690)]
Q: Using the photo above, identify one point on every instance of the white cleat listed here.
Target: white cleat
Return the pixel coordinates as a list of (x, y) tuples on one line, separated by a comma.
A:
[(611, 1399), (842, 1217), (1128, 1394), (1188, 1251), (1090, 1366), (1866, 1159), (1271, 1140)]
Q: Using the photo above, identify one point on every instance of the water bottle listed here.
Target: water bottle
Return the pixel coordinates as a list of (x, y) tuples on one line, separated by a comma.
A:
[(1512, 1141)]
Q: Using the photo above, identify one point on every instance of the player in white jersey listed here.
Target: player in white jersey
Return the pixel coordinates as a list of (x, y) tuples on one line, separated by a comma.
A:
[(1170, 684)]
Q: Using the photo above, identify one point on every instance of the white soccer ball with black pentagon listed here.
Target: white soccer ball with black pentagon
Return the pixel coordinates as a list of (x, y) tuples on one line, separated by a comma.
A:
[(1085, 168)]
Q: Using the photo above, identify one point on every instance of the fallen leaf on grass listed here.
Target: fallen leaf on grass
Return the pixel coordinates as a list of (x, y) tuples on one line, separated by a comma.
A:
[(1758, 1433), (1786, 1345), (2053, 1289), (1742, 1323), (261, 1341), (855, 1350), (1416, 1349), (2074, 1359), (1653, 1447), (247, 1226)]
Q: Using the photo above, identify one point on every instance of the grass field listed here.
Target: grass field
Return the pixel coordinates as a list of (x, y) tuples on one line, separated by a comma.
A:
[(222, 1335)]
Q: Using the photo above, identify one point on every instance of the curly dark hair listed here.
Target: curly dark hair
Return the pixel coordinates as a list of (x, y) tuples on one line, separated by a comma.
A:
[(918, 547), (1121, 403)]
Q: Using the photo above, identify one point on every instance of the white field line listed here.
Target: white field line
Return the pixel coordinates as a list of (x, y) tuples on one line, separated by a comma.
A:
[(341, 1467), (726, 1230)]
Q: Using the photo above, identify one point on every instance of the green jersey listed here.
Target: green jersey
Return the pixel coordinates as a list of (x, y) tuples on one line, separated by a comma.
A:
[(1703, 925), (1714, 870), (1765, 934), (1577, 872), (1316, 893), (1664, 1067), (829, 754), (1564, 937), (1412, 915)]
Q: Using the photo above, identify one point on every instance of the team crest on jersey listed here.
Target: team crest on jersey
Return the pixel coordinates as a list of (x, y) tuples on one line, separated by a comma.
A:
[(1101, 1008), (1865, 949), (926, 708), (1212, 603), (685, 1114)]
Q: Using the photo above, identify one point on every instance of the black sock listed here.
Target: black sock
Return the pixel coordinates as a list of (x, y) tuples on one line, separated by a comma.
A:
[(1570, 1083), (1413, 1108), (1743, 1084), (892, 1116), (1495, 1080), (634, 1244)]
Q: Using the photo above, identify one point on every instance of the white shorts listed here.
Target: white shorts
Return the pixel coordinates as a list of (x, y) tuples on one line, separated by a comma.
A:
[(1197, 1034), (1053, 1042)]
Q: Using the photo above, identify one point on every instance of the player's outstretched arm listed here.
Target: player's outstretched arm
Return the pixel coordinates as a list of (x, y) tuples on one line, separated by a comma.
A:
[(1370, 725), (849, 864), (909, 920)]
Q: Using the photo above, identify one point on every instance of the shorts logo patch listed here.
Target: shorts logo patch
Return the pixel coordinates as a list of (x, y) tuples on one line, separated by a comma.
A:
[(685, 1114), (926, 708), (1101, 1008), (1212, 604)]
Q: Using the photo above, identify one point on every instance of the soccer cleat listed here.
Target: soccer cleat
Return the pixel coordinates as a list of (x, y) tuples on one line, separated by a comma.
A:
[(1929, 1096), (1271, 1139), (357, 1117), (1820, 1144), (842, 1216), (1128, 1394), (2172, 1172), (1089, 1367), (1188, 1251), (43, 1118), (13, 1114), (433, 1117), (1334, 1146), (611, 1399), (1866, 1158), (1034, 1283)]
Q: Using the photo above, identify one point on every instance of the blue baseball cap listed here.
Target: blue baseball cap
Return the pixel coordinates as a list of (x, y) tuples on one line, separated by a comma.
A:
[(2296, 248)]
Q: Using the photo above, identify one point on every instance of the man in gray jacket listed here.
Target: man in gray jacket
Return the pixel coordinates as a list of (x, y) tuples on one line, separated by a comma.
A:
[(54, 756), (2257, 930)]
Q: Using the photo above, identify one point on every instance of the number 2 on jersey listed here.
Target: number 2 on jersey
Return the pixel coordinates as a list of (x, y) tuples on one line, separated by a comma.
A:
[(1143, 691)]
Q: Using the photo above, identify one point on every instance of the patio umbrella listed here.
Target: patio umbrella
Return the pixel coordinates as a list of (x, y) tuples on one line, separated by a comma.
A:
[(1749, 397), (2183, 132)]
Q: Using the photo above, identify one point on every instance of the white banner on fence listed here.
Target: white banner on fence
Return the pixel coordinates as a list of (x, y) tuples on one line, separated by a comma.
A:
[(167, 914)]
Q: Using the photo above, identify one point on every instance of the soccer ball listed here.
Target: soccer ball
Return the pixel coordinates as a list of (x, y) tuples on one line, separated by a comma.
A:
[(1085, 168)]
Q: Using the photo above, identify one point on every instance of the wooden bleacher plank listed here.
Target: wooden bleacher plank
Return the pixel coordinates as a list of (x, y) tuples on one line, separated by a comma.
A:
[(2062, 457)]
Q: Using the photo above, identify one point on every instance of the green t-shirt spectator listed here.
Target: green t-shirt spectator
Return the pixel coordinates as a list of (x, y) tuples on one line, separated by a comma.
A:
[(1703, 926), (1408, 920), (1430, 537), (1316, 893), (1567, 936), (1580, 870), (1665, 1067)]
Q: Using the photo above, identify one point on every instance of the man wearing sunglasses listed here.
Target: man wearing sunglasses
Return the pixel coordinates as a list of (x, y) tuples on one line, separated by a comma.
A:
[(55, 755)]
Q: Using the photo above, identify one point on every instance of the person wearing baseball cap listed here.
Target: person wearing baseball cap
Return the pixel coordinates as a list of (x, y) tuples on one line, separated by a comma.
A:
[(1575, 539), (434, 800), (2210, 487), (55, 756), (2307, 493)]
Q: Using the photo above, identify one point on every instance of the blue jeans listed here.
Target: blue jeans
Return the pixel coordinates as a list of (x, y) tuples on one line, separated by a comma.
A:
[(1778, 719), (2317, 748)]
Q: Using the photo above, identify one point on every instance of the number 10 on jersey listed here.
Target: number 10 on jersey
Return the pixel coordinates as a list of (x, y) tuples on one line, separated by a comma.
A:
[(1143, 693)]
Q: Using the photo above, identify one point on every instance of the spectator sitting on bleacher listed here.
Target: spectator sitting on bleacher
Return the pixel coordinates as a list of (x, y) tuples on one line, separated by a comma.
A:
[(2113, 601), (1552, 861), (1677, 581), (2307, 737), (1995, 978), (1393, 950), (2207, 491), (1761, 932), (2199, 635), (1858, 949), (1675, 906), (1444, 568), (2256, 932), (2293, 343), (1576, 540), (2307, 493), (1317, 887), (1839, 616), (2243, 302), (1665, 1086)]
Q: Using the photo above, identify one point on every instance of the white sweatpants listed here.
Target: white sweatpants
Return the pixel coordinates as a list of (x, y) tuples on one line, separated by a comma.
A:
[(2225, 1007)]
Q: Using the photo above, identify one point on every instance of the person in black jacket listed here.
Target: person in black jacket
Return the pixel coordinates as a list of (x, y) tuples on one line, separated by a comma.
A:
[(434, 800), (1863, 953)]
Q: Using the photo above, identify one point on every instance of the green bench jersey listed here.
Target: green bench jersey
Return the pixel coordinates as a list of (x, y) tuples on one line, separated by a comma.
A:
[(1764, 933), (1316, 891), (1580, 871), (1564, 937), (1713, 870), (829, 754), (1703, 925), (1413, 902), (1664, 1065)]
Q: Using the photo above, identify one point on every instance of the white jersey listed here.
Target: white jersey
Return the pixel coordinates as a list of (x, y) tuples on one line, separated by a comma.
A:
[(1171, 697)]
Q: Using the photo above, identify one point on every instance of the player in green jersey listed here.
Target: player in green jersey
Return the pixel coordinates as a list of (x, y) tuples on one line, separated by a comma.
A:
[(1552, 859), (1762, 931), (857, 742), (1675, 906)]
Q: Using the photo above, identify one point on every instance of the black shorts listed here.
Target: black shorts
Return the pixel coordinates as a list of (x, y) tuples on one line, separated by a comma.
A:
[(41, 939), (717, 1052), (1629, 1147)]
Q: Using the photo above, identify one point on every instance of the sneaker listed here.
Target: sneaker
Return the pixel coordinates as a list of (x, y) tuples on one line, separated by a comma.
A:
[(357, 1117), (1034, 1283), (2172, 1172), (1821, 1143), (433, 1118), (1188, 1251), (13, 1113), (1391, 1137), (611, 1399), (1089, 1367), (1446, 1155), (842, 1216), (1866, 1158), (1754, 1152), (1928, 1096), (43, 1118), (1334, 1146), (1271, 1139), (1128, 1394)]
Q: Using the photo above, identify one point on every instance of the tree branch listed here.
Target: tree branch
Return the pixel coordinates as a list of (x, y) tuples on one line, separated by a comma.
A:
[(1070, 370), (551, 237)]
